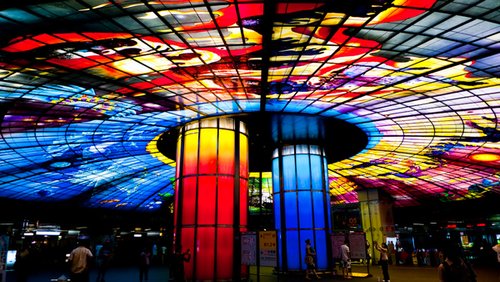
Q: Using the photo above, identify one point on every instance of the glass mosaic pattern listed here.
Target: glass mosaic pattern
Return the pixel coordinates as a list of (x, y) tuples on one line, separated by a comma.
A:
[(87, 87)]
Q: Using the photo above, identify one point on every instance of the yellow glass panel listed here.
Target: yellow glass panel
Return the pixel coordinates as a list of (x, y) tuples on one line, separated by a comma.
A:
[(208, 151), (226, 152), (190, 152)]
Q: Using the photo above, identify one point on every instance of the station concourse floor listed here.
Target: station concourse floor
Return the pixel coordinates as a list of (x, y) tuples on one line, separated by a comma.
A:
[(160, 273)]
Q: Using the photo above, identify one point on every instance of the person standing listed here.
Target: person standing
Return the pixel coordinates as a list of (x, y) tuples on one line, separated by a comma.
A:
[(144, 264), (178, 263), (22, 264), (496, 248), (79, 260), (103, 261), (345, 253), (310, 260), (367, 250), (163, 254), (454, 267), (384, 260)]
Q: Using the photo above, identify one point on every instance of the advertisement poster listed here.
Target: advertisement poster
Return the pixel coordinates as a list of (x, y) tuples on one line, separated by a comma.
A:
[(4, 246), (357, 245), (267, 244), (337, 241), (249, 248)]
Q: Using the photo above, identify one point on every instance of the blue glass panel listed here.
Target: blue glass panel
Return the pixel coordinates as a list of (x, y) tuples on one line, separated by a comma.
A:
[(292, 250), (289, 173), (250, 105), (277, 211), (276, 175), (316, 107), (227, 106), (280, 249), (321, 253), (329, 214), (291, 209), (317, 172), (330, 113), (319, 212), (303, 172), (275, 105), (305, 210)]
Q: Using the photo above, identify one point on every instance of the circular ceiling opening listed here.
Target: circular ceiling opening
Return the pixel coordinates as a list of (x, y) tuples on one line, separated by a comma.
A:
[(341, 139)]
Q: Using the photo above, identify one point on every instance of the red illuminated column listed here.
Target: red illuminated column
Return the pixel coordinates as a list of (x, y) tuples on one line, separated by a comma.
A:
[(211, 197)]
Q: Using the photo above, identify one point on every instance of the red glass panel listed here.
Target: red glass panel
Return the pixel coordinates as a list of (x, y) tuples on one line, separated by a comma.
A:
[(225, 238), (205, 253), (176, 201), (206, 200), (225, 200), (177, 158), (188, 200), (187, 242), (243, 201)]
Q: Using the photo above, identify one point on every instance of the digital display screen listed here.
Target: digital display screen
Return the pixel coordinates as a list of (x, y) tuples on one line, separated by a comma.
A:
[(11, 258)]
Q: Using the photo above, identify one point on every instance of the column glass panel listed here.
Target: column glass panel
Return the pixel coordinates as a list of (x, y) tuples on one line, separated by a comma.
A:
[(299, 178), (213, 157)]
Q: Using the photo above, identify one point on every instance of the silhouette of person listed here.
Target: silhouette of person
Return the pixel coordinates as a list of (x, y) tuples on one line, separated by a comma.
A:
[(144, 264), (103, 261), (21, 266), (178, 263), (454, 267)]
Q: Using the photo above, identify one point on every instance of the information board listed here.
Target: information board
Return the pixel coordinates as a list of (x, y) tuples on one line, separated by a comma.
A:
[(249, 248), (357, 245), (337, 241), (267, 248)]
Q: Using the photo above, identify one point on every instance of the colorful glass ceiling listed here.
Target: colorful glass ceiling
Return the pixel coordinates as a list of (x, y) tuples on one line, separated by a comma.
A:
[(88, 86)]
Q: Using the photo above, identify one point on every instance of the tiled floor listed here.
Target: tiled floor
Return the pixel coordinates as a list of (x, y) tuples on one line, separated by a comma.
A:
[(161, 274)]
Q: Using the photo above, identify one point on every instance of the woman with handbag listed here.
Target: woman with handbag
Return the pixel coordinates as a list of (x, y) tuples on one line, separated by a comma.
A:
[(310, 261)]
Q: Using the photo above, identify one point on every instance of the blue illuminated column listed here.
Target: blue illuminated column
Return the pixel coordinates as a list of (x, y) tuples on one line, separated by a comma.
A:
[(300, 191)]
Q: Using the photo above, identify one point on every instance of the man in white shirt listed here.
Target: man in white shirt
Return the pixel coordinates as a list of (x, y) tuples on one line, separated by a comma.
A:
[(79, 259), (346, 259)]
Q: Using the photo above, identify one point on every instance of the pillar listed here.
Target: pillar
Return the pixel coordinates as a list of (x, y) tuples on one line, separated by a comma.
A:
[(376, 217), (300, 192), (211, 197)]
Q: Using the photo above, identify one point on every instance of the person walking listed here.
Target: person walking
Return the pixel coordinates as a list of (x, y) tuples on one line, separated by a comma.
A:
[(384, 259), (310, 260), (79, 260), (345, 253)]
